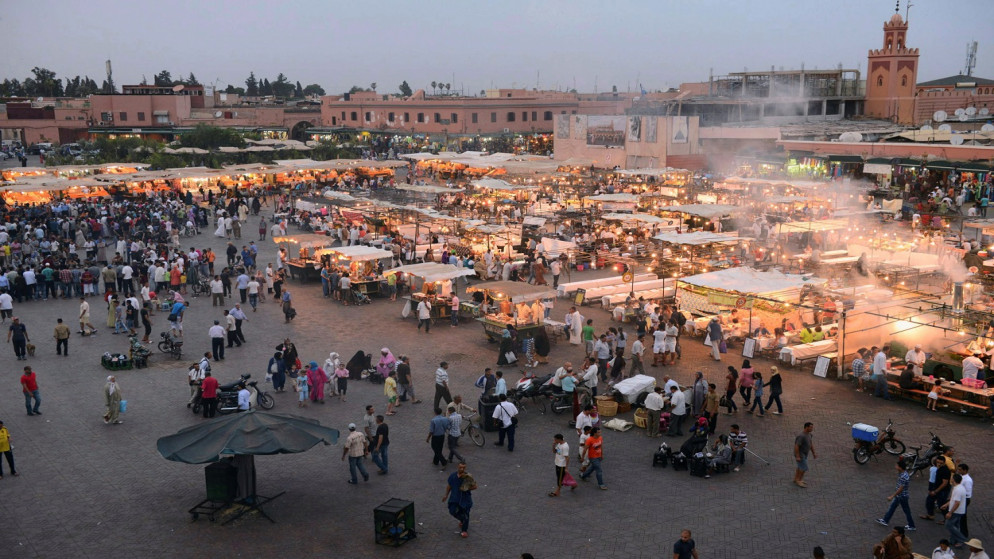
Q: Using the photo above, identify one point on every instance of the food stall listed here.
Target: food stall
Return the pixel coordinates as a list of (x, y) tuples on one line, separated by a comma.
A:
[(431, 281), (361, 262), (511, 302), (304, 264)]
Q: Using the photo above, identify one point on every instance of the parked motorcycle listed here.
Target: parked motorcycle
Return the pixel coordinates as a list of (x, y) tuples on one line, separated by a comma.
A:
[(868, 446), (527, 388), (171, 345), (559, 401), (227, 396), (917, 462)]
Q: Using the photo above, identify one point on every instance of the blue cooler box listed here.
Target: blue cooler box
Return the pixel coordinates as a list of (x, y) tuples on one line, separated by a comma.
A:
[(864, 432)]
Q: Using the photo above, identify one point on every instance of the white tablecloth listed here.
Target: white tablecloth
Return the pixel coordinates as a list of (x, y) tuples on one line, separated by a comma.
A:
[(630, 388), (807, 351)]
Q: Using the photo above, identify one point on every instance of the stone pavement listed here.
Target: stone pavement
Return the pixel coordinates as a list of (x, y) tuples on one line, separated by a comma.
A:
[(91, 490)]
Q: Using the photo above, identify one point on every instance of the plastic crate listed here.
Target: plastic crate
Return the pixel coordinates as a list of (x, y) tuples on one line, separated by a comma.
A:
[(864, 432)]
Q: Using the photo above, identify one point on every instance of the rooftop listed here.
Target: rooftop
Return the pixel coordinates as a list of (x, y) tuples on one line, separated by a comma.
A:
[(957, 79)]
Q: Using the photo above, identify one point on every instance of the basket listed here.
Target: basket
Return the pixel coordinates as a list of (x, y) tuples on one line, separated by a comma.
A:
[(624, 407), (606, 406), (641, 418)]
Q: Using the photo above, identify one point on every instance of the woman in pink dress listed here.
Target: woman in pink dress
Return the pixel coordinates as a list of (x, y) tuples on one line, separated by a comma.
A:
[(317, 378)]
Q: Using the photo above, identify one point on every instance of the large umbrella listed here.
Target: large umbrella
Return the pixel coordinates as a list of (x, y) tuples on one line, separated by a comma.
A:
[(253, 432)]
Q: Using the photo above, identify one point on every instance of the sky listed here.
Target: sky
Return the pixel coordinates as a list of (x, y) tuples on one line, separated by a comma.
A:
[(477, 44)]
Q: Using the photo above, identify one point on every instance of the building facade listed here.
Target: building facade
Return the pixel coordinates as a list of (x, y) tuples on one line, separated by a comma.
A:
[(632, 141), (892, 74)]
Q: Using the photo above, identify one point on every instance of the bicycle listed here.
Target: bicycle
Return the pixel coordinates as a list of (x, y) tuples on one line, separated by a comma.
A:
[(474, 429)]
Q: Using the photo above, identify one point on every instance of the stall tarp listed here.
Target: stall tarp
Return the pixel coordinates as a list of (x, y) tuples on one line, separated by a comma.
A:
[(617, 197), (750, 281), (433, 271), (515, 291), (644, 218), (815, 225), (554, 247), (702, 210), (497, 184), (306, 240), (357, 253), (534, 221), (429, 189), (697, 238)]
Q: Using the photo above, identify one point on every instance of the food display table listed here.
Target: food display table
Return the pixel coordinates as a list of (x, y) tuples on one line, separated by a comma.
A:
[(630, 388), (494, 325), (803, 352), (305, 270)]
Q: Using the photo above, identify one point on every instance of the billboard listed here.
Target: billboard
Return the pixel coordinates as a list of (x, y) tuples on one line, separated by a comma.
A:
[(606, 131)]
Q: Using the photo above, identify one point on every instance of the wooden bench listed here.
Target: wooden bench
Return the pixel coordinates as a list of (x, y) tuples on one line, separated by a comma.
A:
[(923, 394)]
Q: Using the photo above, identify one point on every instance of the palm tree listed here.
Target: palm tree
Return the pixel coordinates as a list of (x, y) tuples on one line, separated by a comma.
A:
[(433, 84), (448, 87), (372, 86)]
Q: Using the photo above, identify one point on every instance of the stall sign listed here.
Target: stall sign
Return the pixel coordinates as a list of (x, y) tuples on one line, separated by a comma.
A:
[(729, 300), (579, 297), (707, 198), (669, 191)]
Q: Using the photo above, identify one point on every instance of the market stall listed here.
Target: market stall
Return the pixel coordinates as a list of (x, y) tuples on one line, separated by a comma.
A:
[(511, 302), (304, 264), (361, 263), (431, 281)]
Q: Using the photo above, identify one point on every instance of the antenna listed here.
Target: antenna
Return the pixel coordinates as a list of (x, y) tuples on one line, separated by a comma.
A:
[(907, 11), (971, 58), (897, 6)]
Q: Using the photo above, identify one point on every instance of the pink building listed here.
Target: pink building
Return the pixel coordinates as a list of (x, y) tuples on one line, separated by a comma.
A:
[(633, 141)]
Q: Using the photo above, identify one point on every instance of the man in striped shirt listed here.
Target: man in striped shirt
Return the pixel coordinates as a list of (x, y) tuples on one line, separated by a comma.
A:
[(738, 440), (859, 368)]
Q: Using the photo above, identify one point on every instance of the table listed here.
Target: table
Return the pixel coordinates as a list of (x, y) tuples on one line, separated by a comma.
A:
[(802, 352), (307, 270)]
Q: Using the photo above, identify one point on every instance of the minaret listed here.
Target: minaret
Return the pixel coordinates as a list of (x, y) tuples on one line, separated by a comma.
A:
[(892, 72)]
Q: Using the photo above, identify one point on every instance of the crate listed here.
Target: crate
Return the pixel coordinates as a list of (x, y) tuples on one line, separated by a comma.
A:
[(624, 407), (606, 406), (864, 432), (394, 522), (641, 418)]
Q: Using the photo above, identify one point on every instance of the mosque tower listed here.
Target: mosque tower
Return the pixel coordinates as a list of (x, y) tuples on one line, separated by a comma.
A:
[(891, 75)]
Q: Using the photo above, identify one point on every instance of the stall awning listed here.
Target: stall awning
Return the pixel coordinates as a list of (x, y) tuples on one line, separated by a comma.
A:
[(357, 253), (515, 291), (816, 225), (748, 280), (306, 240), (941, 165), (644, 218), (554, 247), (619, 197), (974, 167), (534, 221), (696, 238), (845, 159), (703, 210), (429, 189), (433, 271)]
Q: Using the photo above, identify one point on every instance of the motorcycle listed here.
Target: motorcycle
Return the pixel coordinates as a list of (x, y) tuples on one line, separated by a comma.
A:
[(227, 396), (917, 462), (886, 442), (559, 401), (528, 386), (171, 345)]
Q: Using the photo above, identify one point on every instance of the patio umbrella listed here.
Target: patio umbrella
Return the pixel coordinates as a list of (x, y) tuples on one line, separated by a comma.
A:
[(251, 433)]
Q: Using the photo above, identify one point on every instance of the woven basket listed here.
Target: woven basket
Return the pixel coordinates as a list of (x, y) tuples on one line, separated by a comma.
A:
[(641, 418), (606, 406), (624, 407)]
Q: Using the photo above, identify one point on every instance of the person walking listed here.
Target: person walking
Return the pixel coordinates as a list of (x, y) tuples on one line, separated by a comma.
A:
[(455, 431), (404, 380), (341, 380), (459, 496), (757, 395), (216, 334), (803, 445), (638, 350), (288, 311), (17, 335), (560, 448), (208, 395), (900, 497), (654, 406), (6, 451), (29, 386), (715, 337), (964, 470), (776, 389), (437, 429), (230, 329), (380, 444), (506, 413), (955, 509), (442, 384), (594, 446), (61, 336), (424, 316), (356, 448), (390, 391), (685, 547), (678, 411), (112, 401), (84, 317)]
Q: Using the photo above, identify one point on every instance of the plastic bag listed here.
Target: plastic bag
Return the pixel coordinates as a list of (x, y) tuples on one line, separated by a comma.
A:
[(406, 311), (124, 406), (568, 480)]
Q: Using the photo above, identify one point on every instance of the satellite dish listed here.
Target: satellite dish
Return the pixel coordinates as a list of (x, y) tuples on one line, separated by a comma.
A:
[(987, 128), (926, 128), (956, 140), (945, 128), (985, 111), (971, 111), (960, 112), (939, 116), (40, 99), (178, 88), (218, 114), (963, 117)]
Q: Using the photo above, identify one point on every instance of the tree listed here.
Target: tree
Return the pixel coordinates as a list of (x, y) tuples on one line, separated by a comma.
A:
[(372, 86), (405, 89), (192, 80), (433, 84), (163, 79), (614, 89), (144, 80), (299, 91), (265, 88), (448, 87), (357, 89), (44, 83), (282, 87), (483, 93), (252, 85), (211, 137), (235, 90), (314, 89)]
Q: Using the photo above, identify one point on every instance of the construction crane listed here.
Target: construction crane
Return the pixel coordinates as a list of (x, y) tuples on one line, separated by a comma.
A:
[(971, 58)]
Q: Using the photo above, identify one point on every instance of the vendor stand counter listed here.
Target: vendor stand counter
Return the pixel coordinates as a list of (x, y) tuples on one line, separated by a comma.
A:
[(307, 269), (803, 352), (441, 307), (368, 286), (494, 325), (978, 399), (508, 296), (565, 289)]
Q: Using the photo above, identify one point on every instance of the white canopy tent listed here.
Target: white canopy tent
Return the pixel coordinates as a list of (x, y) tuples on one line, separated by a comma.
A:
[(815, 225), (699, 238), (750, 281), (644, 218), (433, 271), (554, 247), (497, 184), (357, 253), (429, 189), (707, 211), (616, 197)]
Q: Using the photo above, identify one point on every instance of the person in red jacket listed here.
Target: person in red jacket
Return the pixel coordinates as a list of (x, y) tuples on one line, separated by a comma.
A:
[(209, 395)]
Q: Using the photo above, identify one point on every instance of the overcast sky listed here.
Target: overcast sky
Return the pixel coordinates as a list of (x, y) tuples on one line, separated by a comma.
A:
[(477, 44)]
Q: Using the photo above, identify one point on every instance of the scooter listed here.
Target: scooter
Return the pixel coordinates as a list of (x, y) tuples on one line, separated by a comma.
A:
[(227, 396), (886, 442), (171, 345), (559, 401)]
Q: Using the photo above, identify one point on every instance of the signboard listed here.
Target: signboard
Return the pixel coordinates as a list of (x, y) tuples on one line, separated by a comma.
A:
[(608, 131), (749, 348), (729, 300), (821, 366), (581, 294)]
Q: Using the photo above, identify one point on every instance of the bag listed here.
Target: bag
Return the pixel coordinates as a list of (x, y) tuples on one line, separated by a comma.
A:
[(514, 421), (124, 406), (173, 317), (568, 480), (698, 465), (510, 357), (722, 347), (406, 311), (660, 458), (481, 382), (724, 402), (679, 461), (707, 340)]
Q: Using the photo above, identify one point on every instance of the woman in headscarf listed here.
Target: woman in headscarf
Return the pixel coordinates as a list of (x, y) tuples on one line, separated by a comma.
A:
[(386, 364), (288, 312), (507, 340), (700, 393), (317, 378), (112, 398), (277, 369)]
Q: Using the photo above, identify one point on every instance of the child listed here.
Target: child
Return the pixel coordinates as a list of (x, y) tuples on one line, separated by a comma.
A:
[(342, 379), (302, 390), (933, 395), (584, 461), (390, 390)]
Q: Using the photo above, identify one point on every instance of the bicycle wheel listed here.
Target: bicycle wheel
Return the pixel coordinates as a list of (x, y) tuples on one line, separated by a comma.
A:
[(476, 435), (894, 446)]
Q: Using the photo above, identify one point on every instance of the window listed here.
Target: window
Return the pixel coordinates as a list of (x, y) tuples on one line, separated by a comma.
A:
[(106, 117), (573, 112), (354, 115), (510, 116), (390, 117), (524, 116), (493, 117), (334, 121), (455, 118), (407, 117), (547, 115), (438, 118), (562, 112), (421, 117), (880, 81), (343, 115), (474, 118), (535, 116), (124, 116), (369, 116), (141, 117), (904, 81), (162, 119)]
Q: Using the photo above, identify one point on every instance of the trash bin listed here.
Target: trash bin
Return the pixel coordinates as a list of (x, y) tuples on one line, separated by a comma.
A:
[(222, 481), (394, 522), (486, 414)]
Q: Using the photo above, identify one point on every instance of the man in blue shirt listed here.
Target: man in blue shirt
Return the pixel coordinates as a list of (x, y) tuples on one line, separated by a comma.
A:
[(242, 283), (437, 430), (176, 318), (900, 497)]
